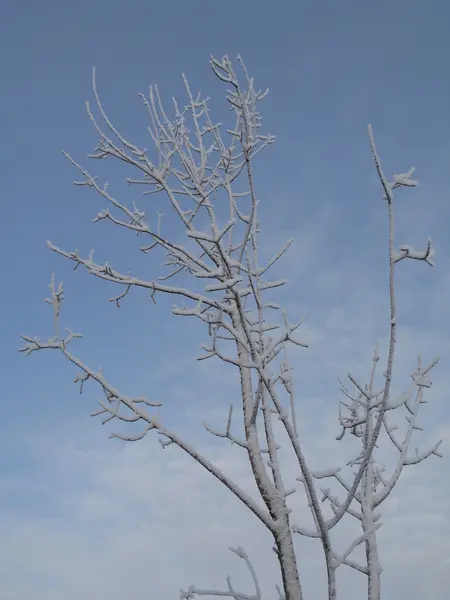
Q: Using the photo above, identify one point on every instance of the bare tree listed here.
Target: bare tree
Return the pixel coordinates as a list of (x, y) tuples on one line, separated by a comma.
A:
[(203, 173)]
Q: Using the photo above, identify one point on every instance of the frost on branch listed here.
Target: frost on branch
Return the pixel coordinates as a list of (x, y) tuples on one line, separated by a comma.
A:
[(409, 252), (204, 173), (366, 414), (192, 591)]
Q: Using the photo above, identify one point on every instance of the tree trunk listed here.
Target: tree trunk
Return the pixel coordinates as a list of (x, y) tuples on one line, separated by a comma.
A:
[(373, 564), (288, 562)]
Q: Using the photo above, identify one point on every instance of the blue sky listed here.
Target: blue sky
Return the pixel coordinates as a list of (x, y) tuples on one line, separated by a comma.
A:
[(331, 67)]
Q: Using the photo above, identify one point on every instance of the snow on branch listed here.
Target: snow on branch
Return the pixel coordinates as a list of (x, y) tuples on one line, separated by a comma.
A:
[(228, 435), (365, 413), (107, 273), (409, 252), (116, 399), (343, 558), (368, 408), (193, 591), (205, 175)]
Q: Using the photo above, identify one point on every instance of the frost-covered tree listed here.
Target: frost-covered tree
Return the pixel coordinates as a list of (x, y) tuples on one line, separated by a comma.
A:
[(204, 173)]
